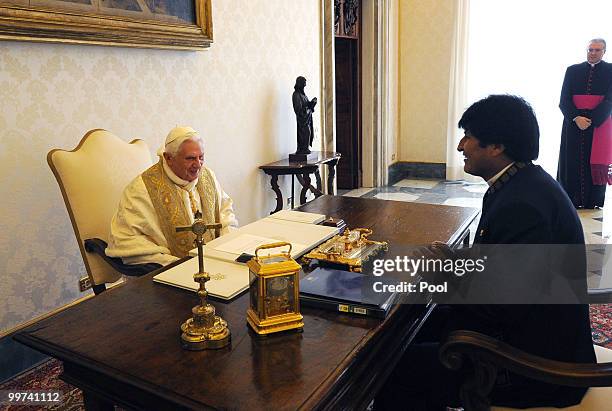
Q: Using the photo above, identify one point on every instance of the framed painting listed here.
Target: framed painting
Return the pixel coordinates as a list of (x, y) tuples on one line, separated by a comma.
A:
[(173, 24)]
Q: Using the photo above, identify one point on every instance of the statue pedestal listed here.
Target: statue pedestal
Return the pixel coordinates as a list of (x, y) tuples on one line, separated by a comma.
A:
[(302, 170), (296, 158)]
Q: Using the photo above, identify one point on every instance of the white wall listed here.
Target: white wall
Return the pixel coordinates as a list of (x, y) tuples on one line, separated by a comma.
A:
[(426, 28), (237, 94)]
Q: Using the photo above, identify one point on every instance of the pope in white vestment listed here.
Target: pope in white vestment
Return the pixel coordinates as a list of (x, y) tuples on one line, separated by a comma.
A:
[(166, 196)]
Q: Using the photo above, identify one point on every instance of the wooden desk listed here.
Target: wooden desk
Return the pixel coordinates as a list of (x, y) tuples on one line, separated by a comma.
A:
[(302, 170), (123, 345)]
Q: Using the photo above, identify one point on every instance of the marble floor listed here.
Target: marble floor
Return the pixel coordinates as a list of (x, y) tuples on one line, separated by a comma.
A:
[(596, 224)]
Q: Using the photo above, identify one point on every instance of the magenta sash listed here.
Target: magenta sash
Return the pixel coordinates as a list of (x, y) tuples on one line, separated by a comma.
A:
[(601, 150)]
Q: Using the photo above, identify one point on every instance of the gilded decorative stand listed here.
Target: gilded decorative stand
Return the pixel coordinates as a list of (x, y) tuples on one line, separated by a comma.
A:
[(351, 249), (204, 330)]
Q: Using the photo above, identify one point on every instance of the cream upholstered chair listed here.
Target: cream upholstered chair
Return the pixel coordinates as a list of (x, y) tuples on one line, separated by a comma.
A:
[(92, 178), (481, 356), (596, 398)]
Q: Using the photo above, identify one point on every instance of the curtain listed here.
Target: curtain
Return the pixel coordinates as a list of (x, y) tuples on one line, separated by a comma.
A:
[(457, 101)]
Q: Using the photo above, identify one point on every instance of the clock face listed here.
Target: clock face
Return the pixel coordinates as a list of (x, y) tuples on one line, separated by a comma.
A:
[(279, 296), (278, 283)]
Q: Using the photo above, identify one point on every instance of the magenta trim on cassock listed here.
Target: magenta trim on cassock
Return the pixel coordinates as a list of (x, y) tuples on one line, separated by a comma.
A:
[(601, 150)]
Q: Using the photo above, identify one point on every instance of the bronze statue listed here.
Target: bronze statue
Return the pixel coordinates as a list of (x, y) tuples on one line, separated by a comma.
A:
[(303, 113)]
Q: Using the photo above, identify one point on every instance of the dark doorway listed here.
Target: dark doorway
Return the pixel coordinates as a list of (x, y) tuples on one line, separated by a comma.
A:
[(348, 92)]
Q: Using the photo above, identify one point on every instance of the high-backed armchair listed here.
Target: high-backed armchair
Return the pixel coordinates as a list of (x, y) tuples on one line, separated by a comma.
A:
[(91, 178)]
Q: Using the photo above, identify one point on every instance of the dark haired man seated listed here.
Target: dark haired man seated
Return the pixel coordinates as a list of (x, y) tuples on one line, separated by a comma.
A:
[(523, 205)]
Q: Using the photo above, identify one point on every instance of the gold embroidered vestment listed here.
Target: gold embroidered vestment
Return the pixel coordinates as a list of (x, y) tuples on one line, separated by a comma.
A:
[(172, 212)]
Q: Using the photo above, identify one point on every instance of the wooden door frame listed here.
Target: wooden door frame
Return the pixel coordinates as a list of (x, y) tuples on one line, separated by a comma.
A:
[(378, 81)]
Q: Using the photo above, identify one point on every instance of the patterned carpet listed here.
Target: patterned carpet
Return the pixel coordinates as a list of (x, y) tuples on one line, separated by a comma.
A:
[(45, 376), (601, 324)]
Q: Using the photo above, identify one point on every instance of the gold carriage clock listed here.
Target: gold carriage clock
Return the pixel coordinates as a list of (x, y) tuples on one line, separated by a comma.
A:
[(274, 291)]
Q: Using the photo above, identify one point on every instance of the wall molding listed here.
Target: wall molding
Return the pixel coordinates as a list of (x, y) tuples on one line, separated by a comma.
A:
[(407, 169), (19, 357), (21, 326)]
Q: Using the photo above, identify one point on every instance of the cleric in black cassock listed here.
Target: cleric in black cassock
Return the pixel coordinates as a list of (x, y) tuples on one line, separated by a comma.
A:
[(593, 77)]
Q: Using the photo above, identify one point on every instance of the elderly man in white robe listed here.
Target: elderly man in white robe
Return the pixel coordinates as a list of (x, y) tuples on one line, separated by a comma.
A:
[(167, 195)]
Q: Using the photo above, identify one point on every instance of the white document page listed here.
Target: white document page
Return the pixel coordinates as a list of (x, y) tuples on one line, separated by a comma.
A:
[(245, 243), (226, 279), (298, 216)]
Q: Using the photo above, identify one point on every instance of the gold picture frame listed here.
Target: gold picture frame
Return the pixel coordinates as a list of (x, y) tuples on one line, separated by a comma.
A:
[(166, 24)]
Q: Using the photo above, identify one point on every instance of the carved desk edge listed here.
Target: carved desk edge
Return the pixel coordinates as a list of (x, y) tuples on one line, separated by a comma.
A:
[(87, 375), (345, 387)]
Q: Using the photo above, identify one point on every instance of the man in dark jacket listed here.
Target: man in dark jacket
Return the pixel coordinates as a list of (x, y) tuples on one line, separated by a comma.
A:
[(523, 205)]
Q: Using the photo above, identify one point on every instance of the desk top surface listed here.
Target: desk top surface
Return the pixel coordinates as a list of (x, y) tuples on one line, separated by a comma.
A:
[(322, 157), (127, 339)]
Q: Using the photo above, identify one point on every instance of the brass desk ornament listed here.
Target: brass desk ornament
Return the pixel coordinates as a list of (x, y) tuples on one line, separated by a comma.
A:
[(274, 292), (204, 330), (351, 249)]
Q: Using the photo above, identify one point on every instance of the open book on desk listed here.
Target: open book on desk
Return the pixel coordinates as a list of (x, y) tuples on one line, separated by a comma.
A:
[(227, 280), (302, 237)]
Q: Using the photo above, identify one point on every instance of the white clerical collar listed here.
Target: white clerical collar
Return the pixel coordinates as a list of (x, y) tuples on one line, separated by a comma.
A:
[(187, 185), (594, 64), (493, 179)]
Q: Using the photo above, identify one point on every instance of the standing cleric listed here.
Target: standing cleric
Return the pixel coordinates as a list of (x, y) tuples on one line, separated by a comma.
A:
[(585, 156)]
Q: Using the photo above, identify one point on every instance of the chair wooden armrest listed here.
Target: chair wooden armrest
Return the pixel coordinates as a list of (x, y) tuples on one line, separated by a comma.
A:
[(480, 357), (96, 245)]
